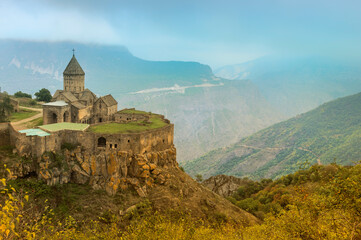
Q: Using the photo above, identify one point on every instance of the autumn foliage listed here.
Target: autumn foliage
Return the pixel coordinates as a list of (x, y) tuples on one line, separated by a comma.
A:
[(322, 202)]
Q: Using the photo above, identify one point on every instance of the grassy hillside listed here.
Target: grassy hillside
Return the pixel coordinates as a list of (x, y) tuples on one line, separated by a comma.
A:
[(322, 202), (329, 133)]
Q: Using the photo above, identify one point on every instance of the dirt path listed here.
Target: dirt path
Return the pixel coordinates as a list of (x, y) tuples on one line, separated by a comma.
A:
[(307, 150), (282, 148), (19, 125)]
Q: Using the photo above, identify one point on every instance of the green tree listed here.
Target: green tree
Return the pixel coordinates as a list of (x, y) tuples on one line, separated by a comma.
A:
[(5, 108), (43, 95), (20, 94)]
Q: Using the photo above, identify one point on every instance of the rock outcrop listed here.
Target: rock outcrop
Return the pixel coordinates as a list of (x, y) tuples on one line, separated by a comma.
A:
[(110, 171), (223, 185)]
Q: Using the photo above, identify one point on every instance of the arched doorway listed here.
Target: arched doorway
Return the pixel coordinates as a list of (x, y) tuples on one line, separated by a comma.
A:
[(54, 118), (102, 142), (66, 116)]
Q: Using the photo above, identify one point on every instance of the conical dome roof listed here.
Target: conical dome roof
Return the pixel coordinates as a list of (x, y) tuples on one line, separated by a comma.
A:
[(73, 68)]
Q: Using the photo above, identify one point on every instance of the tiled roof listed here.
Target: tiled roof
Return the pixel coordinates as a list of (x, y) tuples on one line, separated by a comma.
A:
[(56, 94), (84, 95), (73, 68), (78, 105), (35, 132), (69, 96), (56, 104), (109, 100)]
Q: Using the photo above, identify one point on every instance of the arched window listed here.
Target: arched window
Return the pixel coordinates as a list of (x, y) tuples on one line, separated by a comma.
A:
[(102, 142)]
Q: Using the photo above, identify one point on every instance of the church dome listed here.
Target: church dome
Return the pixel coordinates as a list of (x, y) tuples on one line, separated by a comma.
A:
[(73, 68)]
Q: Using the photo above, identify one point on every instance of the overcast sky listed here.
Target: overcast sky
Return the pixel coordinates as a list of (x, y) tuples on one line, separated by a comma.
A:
[(212, 32)]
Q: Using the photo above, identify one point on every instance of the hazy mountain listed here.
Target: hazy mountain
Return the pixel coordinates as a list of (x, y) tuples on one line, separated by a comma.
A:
[(296, 85), (28, 66), (329, 133), (208, 117), (208, 112)]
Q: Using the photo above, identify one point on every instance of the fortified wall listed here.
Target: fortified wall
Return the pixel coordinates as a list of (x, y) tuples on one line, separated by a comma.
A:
[(111, 161), (137, 143), (85, 140)]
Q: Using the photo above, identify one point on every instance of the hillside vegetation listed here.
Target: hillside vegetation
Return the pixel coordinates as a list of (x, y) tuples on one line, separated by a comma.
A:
[(327, 134), (30, 209), (322, 202)]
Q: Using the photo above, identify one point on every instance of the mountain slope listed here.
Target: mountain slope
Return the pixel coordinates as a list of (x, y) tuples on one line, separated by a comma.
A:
[(295, 85), (331, 132)]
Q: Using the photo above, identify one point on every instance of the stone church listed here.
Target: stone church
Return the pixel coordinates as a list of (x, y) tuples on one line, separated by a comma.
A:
[(77, 104)]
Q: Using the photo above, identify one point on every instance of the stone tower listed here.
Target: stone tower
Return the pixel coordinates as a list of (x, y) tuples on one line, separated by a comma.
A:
[(74, 77)]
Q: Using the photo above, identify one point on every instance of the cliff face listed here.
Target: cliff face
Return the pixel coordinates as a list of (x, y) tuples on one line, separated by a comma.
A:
[(110, 171), (132, 178), (223, 185)]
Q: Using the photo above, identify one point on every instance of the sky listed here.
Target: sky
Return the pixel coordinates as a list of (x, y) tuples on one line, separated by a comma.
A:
[(212, 32)]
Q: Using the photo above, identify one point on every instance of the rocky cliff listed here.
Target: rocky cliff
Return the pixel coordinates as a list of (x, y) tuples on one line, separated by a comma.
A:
[(128, 179), (223, 185), (110, 171)]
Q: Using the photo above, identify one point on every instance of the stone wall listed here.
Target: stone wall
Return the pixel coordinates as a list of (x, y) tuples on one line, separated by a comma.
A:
[(126, 160), (74, 83), (4, 134), (128, 117), (138, 143)]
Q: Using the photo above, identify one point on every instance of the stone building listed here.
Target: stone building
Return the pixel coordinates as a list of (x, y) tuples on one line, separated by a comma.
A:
[(77, 104), (97, 144)]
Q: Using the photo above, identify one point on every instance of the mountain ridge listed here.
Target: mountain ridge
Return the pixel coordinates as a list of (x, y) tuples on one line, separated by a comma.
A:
[(329, 133)]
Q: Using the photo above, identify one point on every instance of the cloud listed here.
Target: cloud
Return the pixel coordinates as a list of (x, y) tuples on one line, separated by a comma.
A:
[(211, 32), (176, 88), (34, 22), (15, 62)]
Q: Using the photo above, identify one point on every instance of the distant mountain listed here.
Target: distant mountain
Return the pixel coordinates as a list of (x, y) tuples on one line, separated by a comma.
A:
[(28, 66), (295, 85), (206, 118), (329, 133), (208, 112)]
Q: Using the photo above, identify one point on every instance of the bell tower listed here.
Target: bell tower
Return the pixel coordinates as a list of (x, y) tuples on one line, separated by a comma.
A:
[(73, 76)]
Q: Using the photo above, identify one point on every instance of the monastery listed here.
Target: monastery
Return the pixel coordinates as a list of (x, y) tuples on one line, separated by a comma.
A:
[(76, 103), (85, 139)]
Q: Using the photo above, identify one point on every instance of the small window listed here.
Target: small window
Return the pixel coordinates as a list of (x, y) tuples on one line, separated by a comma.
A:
[(111, 145), (128, 140), (163, 141), (115, 145), (100, 120)]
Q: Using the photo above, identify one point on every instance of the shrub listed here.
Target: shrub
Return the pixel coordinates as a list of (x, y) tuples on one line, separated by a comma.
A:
[(20, 94)]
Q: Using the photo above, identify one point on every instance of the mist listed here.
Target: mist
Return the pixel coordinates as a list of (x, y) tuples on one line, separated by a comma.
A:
[(209, 32)]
